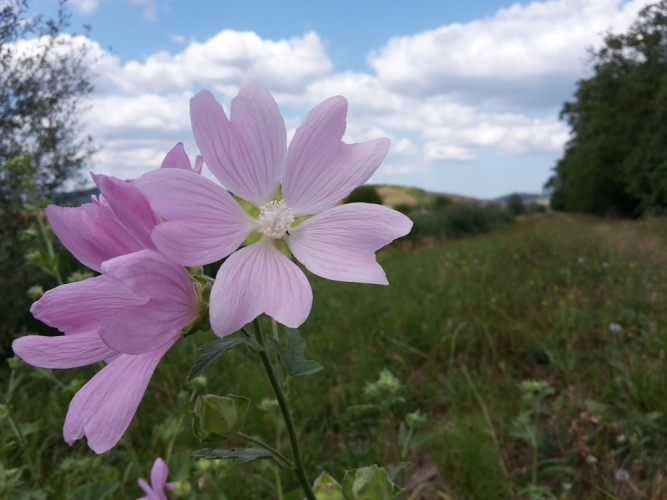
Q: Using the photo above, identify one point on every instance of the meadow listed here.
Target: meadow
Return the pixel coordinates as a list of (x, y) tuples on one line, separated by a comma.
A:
[(534, 356)]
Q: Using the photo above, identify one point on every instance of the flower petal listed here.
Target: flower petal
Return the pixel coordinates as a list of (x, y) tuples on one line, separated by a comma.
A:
[(258, 279), (80, 307), (177, 158), (340, 243), (103, 408), (203, 223), (63, 351), (172, 302), (159, 474), (246, 153), (131, 208), (321, 169)]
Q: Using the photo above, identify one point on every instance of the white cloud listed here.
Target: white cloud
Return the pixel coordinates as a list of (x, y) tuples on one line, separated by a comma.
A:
[(86, 7), (149, 11), (524, 55)]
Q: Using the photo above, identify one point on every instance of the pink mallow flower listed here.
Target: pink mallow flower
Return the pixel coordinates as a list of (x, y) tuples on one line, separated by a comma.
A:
[(129, 316), (248, 154), (117, 222), (155, 490)]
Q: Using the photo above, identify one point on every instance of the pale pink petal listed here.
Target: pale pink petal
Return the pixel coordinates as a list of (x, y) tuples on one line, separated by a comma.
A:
[(147, 489), (159, 474), (202, 222), (321, 169), (177, 158), (103, 408), (63, 351), (246, 153), (172, 302), (258, 279), (340, 243), (119, 222), (80, 307)]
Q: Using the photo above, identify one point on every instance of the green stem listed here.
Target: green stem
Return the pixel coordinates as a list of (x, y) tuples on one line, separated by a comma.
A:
[(49, 248), (299, 469), (282, 458)]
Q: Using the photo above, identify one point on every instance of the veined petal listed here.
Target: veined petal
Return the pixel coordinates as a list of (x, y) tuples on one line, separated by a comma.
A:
[(202, 222), (177, 158), (63, 351), (103, 408), (131, 208), (258, 279), (246, 153), (321, 169), (79, 307), (172, 302), (340, 243)]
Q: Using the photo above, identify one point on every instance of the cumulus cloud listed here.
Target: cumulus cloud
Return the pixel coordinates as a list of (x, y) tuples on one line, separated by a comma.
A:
[(448, 96), (523, 55), (86, 7)]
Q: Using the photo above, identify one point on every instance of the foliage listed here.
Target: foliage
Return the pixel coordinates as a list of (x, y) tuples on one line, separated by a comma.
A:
[(515, 205), (577, 302), (43, 78), (457, 221), (616, 161), (365, 194)]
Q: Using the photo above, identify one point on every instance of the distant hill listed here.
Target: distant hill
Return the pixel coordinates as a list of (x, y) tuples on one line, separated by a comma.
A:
[(397, 195), (74, 198), (525, 197)]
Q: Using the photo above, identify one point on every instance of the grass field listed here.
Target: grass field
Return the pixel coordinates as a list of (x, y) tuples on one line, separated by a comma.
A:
[(536, 355)]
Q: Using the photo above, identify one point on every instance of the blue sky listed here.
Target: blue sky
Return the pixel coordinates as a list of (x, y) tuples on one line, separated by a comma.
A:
[(468, 92)]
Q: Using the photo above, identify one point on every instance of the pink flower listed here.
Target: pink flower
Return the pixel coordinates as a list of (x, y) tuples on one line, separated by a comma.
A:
[(155, 491), (119, 222), (130, 316), (248, 155)]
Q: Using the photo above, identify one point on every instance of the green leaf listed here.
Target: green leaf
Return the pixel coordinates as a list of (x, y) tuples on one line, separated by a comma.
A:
[(239, 455), (219, 415), (293, 357), (211, 351), (369, 483), (95, 491)]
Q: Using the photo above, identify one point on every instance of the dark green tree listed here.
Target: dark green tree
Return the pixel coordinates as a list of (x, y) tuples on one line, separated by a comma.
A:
[(365, 194), (44, 76), (515, 205), (616, 161)]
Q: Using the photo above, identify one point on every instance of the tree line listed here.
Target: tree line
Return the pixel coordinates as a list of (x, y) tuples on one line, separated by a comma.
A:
[(616, 160)]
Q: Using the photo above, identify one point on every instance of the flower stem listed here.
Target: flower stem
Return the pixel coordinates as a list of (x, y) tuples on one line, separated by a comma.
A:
[(279, 456), (299, 469)]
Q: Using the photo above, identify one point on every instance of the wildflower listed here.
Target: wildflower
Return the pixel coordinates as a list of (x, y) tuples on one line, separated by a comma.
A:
[(130, 316), (155, 491), (615, 328), (204, 223), (621, 475), (117, 222)]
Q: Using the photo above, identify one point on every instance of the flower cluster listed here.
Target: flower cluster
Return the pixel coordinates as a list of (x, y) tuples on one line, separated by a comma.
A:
[(140, 235)]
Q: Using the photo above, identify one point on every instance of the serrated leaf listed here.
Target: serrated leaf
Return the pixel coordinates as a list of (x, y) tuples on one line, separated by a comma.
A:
[(239, 455), (211, 351), (293, 357)]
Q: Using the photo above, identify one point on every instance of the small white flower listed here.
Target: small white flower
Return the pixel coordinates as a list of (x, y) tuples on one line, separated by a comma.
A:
[(621, 475), (621, 438), (591, 459), (615, 328)]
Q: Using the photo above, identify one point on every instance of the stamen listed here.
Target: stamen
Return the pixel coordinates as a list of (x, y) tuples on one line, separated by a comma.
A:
[(275, 219)]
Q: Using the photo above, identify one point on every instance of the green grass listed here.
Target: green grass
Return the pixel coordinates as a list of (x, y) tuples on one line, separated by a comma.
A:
[(461, 325)]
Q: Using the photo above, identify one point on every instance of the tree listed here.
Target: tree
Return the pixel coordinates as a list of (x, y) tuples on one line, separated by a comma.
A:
[(515, 205), (44, 75), (616, 161), (365, 194)]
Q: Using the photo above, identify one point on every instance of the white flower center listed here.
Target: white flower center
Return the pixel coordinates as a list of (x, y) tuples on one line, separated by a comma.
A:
[(275, 219)]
